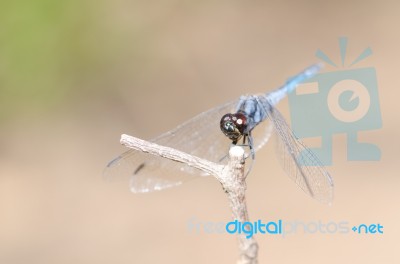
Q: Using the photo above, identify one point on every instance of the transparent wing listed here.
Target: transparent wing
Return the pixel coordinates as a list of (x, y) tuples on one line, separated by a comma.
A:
[(200, 136), (299, 162)]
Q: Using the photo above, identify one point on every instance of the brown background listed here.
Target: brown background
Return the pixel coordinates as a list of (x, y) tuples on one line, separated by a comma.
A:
[(75, 75)]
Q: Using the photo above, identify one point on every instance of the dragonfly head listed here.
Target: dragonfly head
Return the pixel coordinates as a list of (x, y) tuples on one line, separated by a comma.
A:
[(233, 126)]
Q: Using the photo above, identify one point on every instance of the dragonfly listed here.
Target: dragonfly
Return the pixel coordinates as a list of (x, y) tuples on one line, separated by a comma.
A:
[(250, 119)]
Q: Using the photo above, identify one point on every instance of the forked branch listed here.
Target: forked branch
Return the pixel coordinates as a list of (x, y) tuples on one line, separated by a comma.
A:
[(232, 178)]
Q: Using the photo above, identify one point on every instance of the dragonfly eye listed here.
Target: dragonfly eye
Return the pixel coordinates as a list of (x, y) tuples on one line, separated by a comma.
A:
[(233, 126)]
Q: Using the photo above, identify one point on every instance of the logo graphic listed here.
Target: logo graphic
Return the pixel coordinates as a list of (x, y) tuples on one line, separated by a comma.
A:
[(341, 101)]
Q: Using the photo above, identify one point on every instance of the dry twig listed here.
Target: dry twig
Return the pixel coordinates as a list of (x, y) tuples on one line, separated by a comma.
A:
[(232, 178)]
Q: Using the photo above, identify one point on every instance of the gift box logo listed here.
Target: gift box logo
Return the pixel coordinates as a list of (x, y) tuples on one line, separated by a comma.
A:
[(341, 101)]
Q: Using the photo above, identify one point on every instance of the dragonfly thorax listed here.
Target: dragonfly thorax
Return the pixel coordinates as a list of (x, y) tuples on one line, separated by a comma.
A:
[(233, 126)]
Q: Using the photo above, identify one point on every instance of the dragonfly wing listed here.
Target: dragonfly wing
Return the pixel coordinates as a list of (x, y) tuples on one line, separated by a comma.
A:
[(299, 162), (145, 172), (200, 136)]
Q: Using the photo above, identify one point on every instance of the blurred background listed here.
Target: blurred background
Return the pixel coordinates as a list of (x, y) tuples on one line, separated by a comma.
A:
[(75, 75)]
